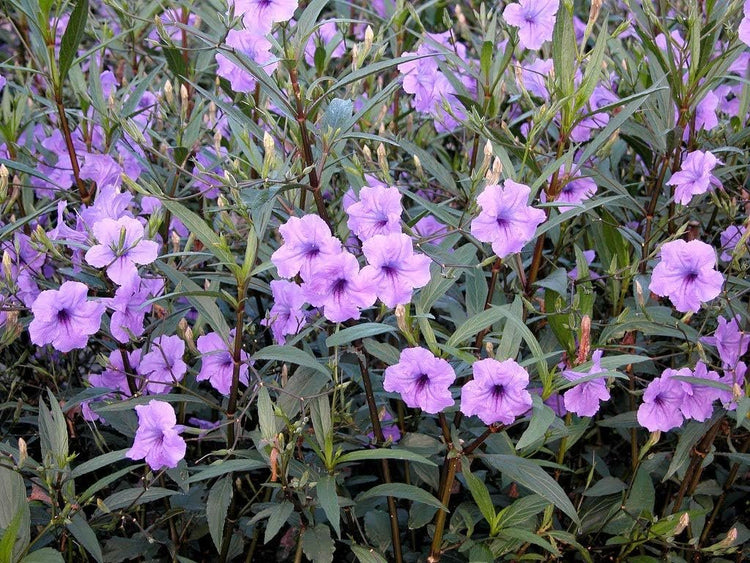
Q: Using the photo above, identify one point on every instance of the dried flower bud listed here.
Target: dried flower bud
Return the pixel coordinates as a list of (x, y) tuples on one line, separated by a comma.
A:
[(4, 175), (418, 166), (400, 313), (183, 96), (7, 265), (596, 6), (23, 452), (683, 523), (585, 340)]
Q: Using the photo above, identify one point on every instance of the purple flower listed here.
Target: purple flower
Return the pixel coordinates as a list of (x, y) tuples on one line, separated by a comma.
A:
[(589, 256), (730, 238), (422, 379), (286, 316), (735, 379), (576, 188), (102, 169), (430, 229), (307, 241), (497, 393), (600, 97), (121, 246), (378, 212), (506, 220), (686, 274), (336, 284), (253, 44), (64, 318), (394, 270), (391, 431), (535, 20), (729, 340), (534, 77), (322, 36), (262, 14), (694, 176), (743, 31), (584, 398), (129, 305), (660, 409), (697, 401), (218, 365), (158, 437), (113, 377), (162, 367)]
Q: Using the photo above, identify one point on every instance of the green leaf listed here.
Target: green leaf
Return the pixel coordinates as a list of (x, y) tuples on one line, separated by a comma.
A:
[(217, 507), (527, 473), (207, 235), (378, 529), (279, 515), (402, 490), (690, 435), (367, 554), (528, 537), (85, 535), (478, 491), (53, 432), (336, 115), (641, 498), (357, 332), (266, 415), (195, 295), (542, 418), (44, 555), (98, 462), (291, 355), (72, 37), (8, 539), (129, 498), (516, 323), (606, 486), (476, 324), (14, 508), (383, 453), (320, 412), (329, 501), (223, 467), (518, 513), (318, 544)]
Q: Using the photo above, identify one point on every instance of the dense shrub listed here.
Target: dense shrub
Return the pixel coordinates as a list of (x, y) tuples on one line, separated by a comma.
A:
[(374, 281)]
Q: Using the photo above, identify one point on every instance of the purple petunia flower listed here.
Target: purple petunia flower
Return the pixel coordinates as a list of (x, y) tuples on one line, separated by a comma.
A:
[(262, 14), (660, 409), (163, 366), (121, 246), (378, 212), (102, 169), (336, 284), (130, 309), (498, 391), (307, 240), (64, 318), (158, 437), (730, 238), (422, 379), (286, 316), (430, 229), (600, 97), (534, 77), (391, 431), (506, 219), (322, 36), (576, 189), (535, 20), (694, 176), (253, 44), (394, 270), (697, 401), (735, 379), (743, 31), (584, 398), (218, 366), (729, 340), (686, 274)]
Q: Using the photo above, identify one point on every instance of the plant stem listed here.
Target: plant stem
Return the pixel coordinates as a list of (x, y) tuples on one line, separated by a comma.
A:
[(380, 439), (237, 361), (693, 473), (445, 490), (83, 192)]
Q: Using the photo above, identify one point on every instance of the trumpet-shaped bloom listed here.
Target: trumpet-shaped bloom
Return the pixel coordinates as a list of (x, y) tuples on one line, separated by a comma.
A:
[(158, 437), (394, 269), (743, 32), (286, 316), (698, 399), (163, 366), (337, 286), (506, 219), (584, 398), (121, 246), (535, 20), (694, 176), (729, 340), (378, 212), (64, 318), (686, 274), (253, 44), (262, 14), (497, 393), (660, 409), (307, 241), (422, 379), (730, 238), (218, 366)]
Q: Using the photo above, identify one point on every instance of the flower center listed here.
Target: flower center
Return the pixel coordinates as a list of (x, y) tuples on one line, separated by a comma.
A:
[(63, 316), (389, 269), (422, 380), (339, 286), (497, 391)]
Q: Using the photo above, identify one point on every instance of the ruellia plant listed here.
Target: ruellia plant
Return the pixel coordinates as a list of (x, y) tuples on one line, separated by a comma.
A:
[(374, 281)]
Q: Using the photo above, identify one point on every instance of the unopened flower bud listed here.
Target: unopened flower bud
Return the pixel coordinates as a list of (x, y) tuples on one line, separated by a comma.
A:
[(400, 313), (4, 175), (7, 266), (382, 160), (217, 143), (418, 166), (490, 348), (175, 237), (585, 340), (23, 452), (596, 6), (683, 523), (269, 146), (367, 153), (729, 540), (168, 92), (369, 36), (184, 330), (183, 96)]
